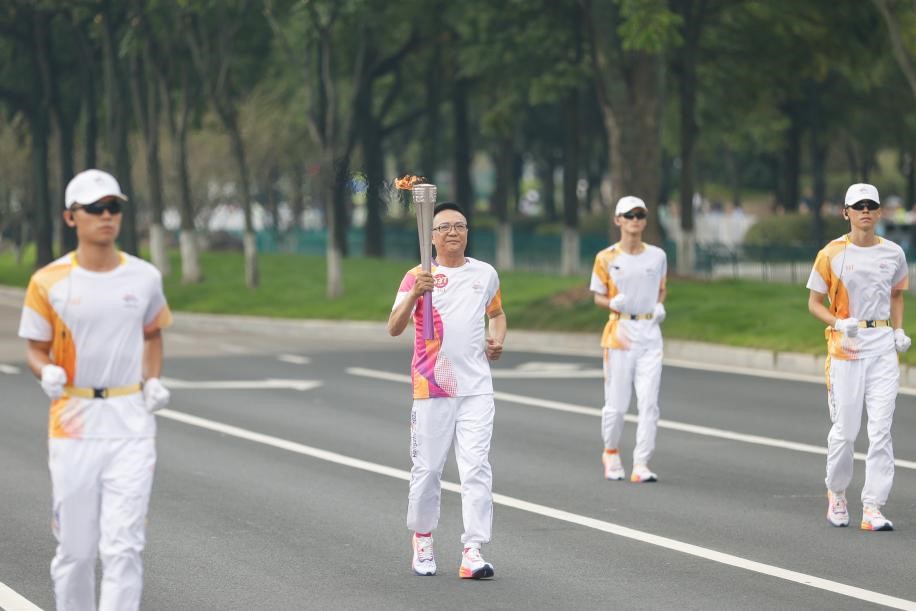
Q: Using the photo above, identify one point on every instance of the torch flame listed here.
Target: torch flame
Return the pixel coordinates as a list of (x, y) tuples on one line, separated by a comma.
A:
[(407, 182)]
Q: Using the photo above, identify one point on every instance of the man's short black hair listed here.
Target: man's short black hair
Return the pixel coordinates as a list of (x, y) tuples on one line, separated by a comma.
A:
[(448, 206)]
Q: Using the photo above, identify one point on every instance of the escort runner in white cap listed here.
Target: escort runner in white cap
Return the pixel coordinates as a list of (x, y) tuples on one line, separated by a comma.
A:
[(863, 277), (452, 389), (93, 321), (629, 279)]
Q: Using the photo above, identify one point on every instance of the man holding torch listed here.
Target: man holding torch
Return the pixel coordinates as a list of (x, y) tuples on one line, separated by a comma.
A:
[(452, 384)]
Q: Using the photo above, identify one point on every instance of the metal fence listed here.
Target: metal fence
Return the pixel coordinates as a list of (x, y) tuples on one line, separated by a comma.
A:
[(536, 252)]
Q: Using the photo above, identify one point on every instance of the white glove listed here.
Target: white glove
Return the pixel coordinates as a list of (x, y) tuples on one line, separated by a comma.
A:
[(901, 341), (849, 326), (658, 315), (53, 379), (617, 302), (155, 395)]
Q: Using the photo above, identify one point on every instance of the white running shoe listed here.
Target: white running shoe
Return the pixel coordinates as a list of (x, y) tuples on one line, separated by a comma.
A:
[(424, 560), (837, 513), (641, 474), (473, 566), (873, 519), (613, 467)]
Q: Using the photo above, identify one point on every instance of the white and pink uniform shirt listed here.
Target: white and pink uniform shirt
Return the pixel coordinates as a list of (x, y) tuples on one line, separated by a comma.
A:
[(454, 362)]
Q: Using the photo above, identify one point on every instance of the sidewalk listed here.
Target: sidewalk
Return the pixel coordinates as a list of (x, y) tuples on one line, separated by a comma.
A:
[(681, 353)]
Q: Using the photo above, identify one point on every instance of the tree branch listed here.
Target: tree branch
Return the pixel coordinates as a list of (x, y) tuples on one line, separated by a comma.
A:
[(900, 53)]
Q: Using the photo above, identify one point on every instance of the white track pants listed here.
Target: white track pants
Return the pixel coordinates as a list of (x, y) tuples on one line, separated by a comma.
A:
[(101, 490), (434, 424), (871, 381), (640, 367)]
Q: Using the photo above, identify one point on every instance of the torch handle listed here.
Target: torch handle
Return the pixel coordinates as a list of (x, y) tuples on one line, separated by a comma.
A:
[(428, 332)]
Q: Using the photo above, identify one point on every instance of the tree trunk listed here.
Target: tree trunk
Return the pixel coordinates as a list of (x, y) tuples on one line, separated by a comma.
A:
[(374, 162), (252, 275), (118, 120), (645, 164), (431, 138), (818, 159), (548, 187), (499, 206), (65, 135), (464, 196), (178, 122), (298, 196), (792, 158), (87, 65), (341, 205), (333, 252), (41, 210), (569, 258), (145, 92), (570, 249)]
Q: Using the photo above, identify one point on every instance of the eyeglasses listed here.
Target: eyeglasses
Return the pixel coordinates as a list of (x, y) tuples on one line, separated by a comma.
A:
[(113, 206), (860, 206), (634, 215), (447, 227)]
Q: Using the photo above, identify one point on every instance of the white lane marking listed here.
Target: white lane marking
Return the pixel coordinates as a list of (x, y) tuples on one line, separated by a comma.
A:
[(527, 374), (662, 423), (232, 348), (748, 371), (557, 514), (712, 367), (10, 369), (240, 384), (11, 600), (295, 359)]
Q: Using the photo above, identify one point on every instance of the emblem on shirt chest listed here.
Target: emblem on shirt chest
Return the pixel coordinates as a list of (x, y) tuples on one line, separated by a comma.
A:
[(130, 301), (440, 280)]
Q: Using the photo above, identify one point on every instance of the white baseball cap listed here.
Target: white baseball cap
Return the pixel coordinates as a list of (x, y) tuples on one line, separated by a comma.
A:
[(90, 186), (860, 191), (627, 203)]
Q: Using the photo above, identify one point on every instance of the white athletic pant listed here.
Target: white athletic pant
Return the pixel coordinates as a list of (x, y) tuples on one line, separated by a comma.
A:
[(434, 424), (101, 490), (640, 367), (873, 381)]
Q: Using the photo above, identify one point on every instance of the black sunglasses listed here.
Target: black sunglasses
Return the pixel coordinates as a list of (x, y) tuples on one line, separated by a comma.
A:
[(860, 206), (633, 215), (113, 206)]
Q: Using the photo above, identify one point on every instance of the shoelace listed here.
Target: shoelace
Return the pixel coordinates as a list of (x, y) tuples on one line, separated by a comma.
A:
[(425, 549), (839, 504), (473, 554)]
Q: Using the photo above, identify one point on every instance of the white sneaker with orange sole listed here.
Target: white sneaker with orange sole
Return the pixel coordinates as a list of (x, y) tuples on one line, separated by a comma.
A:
[(473, 566), (613, 467), (873, 519), (837, 513), (641, 474), (424, 558)]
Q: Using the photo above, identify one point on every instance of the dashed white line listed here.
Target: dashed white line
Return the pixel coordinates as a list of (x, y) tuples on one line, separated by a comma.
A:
[(557, 514), (295, 359), (240, 384), (9, 369), (231, 348), (11, 600), (662, 423)]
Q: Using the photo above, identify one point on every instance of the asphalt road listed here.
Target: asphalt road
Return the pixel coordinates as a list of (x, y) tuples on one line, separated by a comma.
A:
[(280, 485)]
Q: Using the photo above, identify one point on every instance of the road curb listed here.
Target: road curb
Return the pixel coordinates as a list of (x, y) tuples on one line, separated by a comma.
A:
[(547, 342)]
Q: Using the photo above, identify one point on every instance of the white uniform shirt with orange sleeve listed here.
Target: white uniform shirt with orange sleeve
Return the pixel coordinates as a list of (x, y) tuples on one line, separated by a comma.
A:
[(858, 282), (95, 322), (454, 362), (639, 278)]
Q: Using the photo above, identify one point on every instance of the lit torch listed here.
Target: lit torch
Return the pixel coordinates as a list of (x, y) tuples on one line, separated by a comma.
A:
[(424, 200)]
